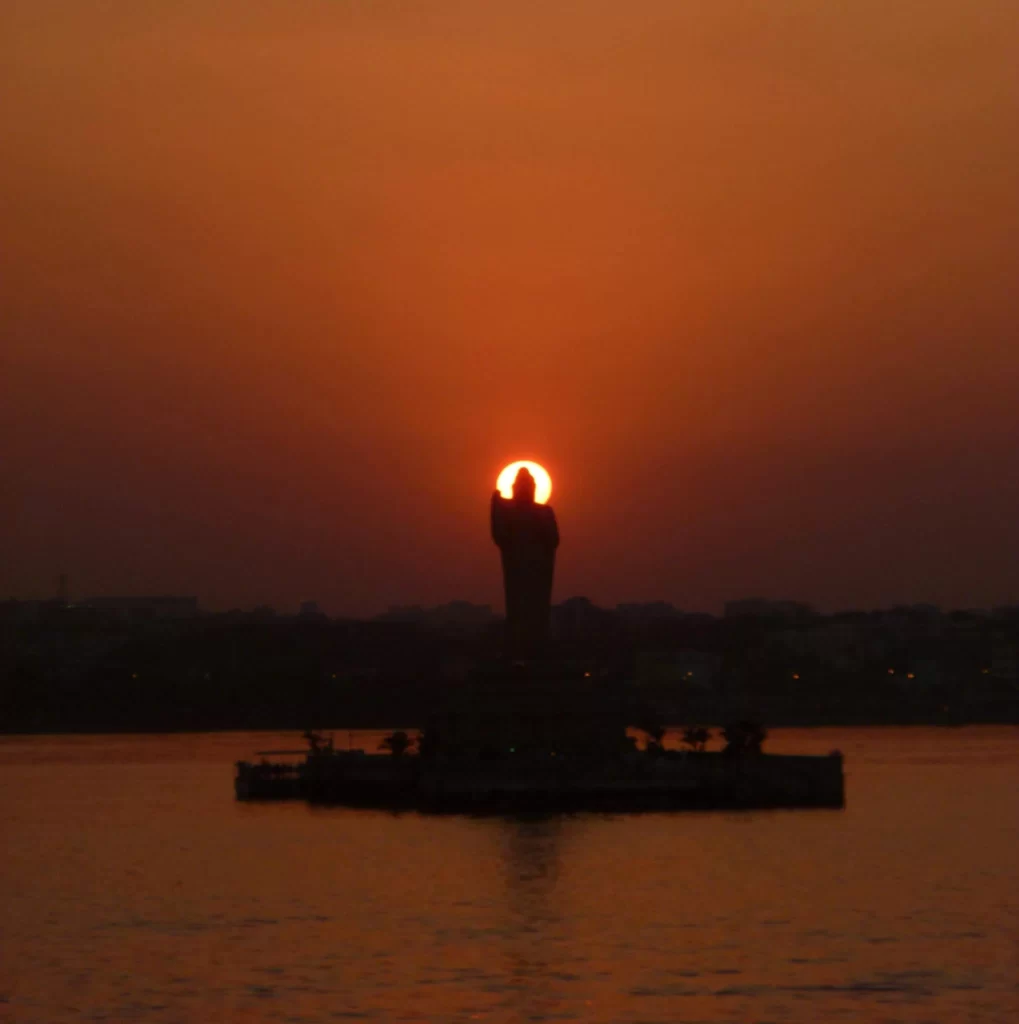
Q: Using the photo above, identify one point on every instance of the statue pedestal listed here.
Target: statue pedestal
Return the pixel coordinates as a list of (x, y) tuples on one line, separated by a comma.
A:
[(540, 710)]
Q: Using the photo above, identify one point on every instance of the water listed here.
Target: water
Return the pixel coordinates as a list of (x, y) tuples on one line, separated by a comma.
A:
[(133, 887)]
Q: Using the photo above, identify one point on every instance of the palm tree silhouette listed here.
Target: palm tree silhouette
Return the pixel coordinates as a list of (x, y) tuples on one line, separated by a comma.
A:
[(397, 743), (696, 737)]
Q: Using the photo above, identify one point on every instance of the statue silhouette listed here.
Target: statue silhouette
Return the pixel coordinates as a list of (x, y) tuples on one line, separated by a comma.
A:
[(527, 535)]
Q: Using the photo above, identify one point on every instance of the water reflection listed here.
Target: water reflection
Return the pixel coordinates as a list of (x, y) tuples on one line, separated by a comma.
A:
[(531, 853)]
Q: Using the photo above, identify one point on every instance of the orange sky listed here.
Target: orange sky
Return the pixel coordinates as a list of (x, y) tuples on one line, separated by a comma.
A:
[(284, 284)]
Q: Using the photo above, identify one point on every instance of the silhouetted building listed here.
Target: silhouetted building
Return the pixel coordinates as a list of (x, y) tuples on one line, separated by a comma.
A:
[(454, 613), (762, 608), (144, 609), (647, 611), (838, 645), (460, 613), (527, 535), (310, 610)]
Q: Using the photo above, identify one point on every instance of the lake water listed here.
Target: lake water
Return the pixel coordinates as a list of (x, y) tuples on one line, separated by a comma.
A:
[(134, 887)]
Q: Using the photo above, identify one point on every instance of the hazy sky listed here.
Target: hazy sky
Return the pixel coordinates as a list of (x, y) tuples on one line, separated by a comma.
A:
[(284, 284)]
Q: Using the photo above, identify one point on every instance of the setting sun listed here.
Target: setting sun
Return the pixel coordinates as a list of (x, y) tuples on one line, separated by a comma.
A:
[(542, 481)]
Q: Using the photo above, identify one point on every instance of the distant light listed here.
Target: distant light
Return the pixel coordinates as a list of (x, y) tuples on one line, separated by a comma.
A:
[(796, 675), (134, 675), (587, 675), (513, 750), (986, 671), (910, 675), (891, 671)]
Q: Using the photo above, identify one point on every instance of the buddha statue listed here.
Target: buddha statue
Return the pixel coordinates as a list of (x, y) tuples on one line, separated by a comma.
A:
[(527, 535)]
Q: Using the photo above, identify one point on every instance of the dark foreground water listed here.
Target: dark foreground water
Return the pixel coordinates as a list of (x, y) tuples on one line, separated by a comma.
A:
[(133, 887)]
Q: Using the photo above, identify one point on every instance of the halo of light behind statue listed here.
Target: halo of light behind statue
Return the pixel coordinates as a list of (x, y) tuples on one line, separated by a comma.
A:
[(542, 481)]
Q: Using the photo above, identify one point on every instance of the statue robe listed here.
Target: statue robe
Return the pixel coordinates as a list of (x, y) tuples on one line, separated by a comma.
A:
[(527, 535)]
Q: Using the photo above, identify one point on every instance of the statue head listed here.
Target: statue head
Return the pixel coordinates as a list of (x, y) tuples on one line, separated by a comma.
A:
[(523, 487)]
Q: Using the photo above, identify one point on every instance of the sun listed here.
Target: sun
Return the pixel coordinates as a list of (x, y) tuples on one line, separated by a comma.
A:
[(542, 481)]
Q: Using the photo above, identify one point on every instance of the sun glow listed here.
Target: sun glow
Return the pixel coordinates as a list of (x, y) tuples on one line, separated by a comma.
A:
[(542, 481)]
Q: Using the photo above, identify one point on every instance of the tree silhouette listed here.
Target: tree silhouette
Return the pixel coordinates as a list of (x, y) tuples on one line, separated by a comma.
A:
[(317, 743), (696, 737), (397, 743), (744, 737), (655, 736)]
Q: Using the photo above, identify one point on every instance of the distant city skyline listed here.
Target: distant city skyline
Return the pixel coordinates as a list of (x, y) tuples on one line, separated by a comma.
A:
[(477, 613)]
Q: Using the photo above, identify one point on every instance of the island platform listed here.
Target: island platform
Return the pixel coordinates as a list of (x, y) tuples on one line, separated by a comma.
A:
[(634, 781)]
